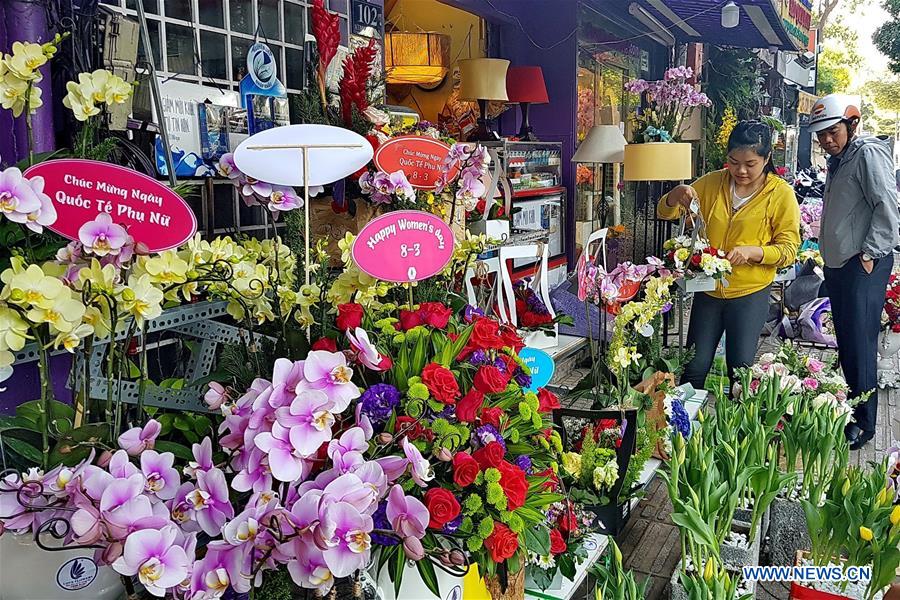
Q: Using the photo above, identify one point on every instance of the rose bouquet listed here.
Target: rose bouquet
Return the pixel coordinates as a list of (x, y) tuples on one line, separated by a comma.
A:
[(531, 311), (695, 257), (570, 526), (891, 319)]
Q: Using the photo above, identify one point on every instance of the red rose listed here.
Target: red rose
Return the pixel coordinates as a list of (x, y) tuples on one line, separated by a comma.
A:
[(409, 319), (695, 260), (511, 365), (441, 383), (435, 314), (568, 522), (465, 469), (552, 479), (325, 344), (502, 543), (467, 408), (511, 338), (557, 543), (486, 334), (547, 400), (411, 428), (490, 380), (489, 456), (442, 507), (491, 416), (350, 316), (514, 484)]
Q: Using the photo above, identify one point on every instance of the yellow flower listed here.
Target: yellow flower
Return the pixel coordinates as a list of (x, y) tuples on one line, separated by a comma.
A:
[(346, 245), (98, 319), (79, 100), (709, 571), (141, 299), (72, 339), (12, 94), (116, 90), (13, 329), (63, 315), (682, 254), (895, 516), (26, 59), (102, 279), (6, 370), (571, 463), (31, 287), (166, 268), (866, 534)]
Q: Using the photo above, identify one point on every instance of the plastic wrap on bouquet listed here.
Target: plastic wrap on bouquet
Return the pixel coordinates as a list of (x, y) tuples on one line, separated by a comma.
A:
[(539, 285), (494, 229)]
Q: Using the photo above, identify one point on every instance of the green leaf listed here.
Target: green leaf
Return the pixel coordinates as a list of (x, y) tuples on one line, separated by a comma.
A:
[(202, 425), (537, 540), (426, 572), (57, 410), (60, 426), (12, 423), (167, 422), (179, 450), (461, 342), (397, 566), (183, 423), (23, 449)]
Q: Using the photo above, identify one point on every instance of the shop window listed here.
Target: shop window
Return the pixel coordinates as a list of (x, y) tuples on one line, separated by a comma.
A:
[(153, 29), (241, 13), (211, 13), (269, 21), (179, 9), (213, 55), (180, 52), (150, 6), (279, 60), (294, 29), (239, 48), (293, 66)]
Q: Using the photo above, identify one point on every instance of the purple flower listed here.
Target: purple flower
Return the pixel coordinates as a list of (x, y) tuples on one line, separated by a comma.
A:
[(524, 463), (219, 570), (393, 466), (283, 461), (382, 183), (380, 521), (402, 187), (366, 182), (101, 236), (215, 396), (160, 477), (309, 420), (210, 501), (226, 167), (137, 439), (522, 378), (328, 372), (346, 452), (451, 526), (45, 214), (17, 198), (408, 516), (471, 190), (255, 475), (478, 357), (470, 312), (366, 352), (458, 152), (486, 434), (309, 569), (283, 198), (346, 533), (378, 402), (154, 557), (422, 472), (203, 458)]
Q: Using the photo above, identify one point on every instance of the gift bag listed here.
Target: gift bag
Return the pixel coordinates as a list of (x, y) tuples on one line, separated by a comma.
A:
[(484, 283), (588, 319), (538, 285), (495, 229)]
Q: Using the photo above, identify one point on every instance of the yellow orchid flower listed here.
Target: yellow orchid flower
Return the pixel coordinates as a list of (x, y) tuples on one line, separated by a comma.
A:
[(12, 94), (102, 279), (141, 299), (895, 516), (79, 100), (116, 90), (25, 60), (63, 315), (13, 329), (72, 339), (32, 287), (166, 268), (98, 319)]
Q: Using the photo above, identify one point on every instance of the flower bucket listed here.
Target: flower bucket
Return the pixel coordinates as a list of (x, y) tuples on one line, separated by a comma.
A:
[(413, 588), (800, 591), (28, 572), (513, 590), (696, 283)]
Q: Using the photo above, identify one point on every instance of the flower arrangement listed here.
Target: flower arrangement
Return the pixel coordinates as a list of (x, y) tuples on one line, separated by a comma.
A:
[(673, 100), (590, 473), (569, 527), (615, 287), (532, 314), (275, 198), (93, 89), (891, 320), (695, 257), (810, 217)]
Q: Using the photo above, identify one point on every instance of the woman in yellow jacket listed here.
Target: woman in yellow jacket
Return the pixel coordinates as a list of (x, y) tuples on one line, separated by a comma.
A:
[(753, 215)]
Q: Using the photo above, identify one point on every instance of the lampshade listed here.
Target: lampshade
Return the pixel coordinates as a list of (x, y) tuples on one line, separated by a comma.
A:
[(731, 15), (658, 161), (482, 79), (416, 57), (602, 144), (526, 84)]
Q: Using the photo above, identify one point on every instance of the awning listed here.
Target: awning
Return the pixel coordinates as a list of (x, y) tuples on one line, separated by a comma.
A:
[(782, 24)]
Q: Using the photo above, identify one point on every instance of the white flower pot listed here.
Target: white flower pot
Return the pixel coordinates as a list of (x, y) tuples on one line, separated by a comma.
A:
[(28, 573), (413, 588), (697, 283)]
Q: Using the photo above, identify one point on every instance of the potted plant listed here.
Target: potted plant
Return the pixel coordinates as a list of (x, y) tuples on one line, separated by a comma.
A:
[(613, 581)]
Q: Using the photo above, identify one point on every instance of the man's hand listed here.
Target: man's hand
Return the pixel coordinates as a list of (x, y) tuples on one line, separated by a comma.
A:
[(867, 265), (743, 255)]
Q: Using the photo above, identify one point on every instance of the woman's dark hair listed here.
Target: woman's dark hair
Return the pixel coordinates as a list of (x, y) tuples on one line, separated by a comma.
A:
[(755, 136)]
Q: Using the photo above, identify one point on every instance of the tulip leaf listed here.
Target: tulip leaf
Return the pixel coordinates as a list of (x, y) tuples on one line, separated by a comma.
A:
[(426, 572)]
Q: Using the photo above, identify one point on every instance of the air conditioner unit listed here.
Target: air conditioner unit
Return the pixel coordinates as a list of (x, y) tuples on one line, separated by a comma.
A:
[(120, 45)]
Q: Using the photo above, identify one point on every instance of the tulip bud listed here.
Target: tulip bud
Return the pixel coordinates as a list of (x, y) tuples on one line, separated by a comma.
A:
[(413, 548), (881, 497), (708, 571), (444, 455), (845, 489), (384, 438), (895, 516), (866, 534), (457, 558), (700, 417), (617, 553)]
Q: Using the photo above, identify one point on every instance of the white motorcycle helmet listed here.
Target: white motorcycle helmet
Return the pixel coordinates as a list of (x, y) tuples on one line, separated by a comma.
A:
[(830, 110)]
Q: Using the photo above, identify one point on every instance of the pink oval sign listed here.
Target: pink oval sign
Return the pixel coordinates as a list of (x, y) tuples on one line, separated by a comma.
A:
[(421, 158), (404, 246), (82, 189)]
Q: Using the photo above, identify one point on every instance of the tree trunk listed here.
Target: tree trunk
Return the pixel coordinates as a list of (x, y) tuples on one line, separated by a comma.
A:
[(828, 7)]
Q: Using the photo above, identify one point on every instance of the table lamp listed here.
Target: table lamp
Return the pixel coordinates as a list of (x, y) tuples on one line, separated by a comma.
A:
[(658, 161), (525, 85), (483, 79), (603, 144)]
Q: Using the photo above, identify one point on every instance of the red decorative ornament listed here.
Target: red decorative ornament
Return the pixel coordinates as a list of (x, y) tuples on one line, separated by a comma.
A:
[(326, 30)]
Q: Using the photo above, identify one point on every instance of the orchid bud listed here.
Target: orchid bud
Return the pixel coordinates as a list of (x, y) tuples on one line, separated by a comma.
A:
[(413, 548), (104, 458), (112, 552), (457, 558), (384, 438), (444, 558), (444, 455)]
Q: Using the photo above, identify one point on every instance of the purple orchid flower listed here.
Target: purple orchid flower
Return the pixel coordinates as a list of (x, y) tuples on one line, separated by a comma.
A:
[(181, 510), (216, 396), (160, 477), (286, 377), (309, 569), (226, 167), (471, 189), (347, 534), (372, 476), (285, 464), (219, 570), (120, 465), (101, 236), (350, 488), (203, 458), (255, 475), (458, 152), (408, 516), (154, 557), (244, 528), (393, 466), (421, 469), (137, 439), (366, 182), (441, 183), (45, 214), (309, 420), (382, 184), (402, 187), (17, 198), (210, 501), (125, 509), (86, 524), (283, 198), (328, 372), (347, 452), (366, 352)]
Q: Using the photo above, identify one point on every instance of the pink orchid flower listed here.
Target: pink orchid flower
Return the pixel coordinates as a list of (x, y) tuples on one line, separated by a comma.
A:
[(216, 396), (101, 236), (155, 558), (137, 439), (285, 464), (309, 419), (346, 532), (328, 372), (210, 501), (17, 198), (422, 472), (255, 475), (45, 214), (203, 458), (407, 515), (160, 477), (366, 352), (347, 452), (309, 569)]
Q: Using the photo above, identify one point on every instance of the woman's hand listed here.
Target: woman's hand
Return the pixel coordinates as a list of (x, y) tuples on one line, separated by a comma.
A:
[(745, 255), (682, 195)]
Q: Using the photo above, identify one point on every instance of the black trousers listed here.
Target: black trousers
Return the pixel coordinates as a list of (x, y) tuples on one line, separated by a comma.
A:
[(857, 299), (741, 319)]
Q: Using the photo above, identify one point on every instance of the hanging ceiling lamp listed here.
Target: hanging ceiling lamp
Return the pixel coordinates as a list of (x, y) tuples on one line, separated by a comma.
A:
[(731, 15), (417, 58)]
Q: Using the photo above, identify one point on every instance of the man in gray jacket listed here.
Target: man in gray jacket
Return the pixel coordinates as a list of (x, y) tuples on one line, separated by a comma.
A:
[(858, 233)]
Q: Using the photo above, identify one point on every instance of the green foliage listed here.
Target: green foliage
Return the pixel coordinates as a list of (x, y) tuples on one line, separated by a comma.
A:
[(277, 585), (613, 581), (887, 37)]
